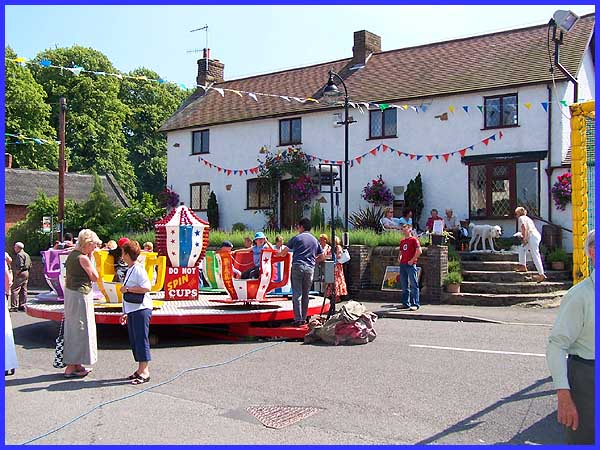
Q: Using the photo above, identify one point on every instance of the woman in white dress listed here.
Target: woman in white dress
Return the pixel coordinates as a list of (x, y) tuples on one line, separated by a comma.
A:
[(10, 354), (531, 241)]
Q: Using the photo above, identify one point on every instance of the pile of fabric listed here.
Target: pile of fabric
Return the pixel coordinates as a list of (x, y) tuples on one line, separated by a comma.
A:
[(352, 324)]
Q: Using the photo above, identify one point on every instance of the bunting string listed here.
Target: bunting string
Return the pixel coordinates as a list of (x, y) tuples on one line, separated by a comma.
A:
[(25, 139), (451, 110), (381, 148)]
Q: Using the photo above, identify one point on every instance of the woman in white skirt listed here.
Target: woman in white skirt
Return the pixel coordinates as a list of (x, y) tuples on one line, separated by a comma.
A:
[(80, 325), (10, 354), (531, 241)]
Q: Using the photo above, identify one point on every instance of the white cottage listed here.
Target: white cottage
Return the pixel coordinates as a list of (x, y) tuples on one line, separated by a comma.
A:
[(480, 118)]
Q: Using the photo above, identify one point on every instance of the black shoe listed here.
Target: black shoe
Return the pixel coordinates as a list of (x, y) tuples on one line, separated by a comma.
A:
[(9, 372), (403, 307), (298, 323), (13, 309), (21, 308)]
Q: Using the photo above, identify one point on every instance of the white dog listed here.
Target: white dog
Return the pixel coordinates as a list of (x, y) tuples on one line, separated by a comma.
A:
[(482, 233)]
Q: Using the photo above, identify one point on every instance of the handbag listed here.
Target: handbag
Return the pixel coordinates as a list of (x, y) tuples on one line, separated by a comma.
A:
[(59, 349), (345, 257), (132, 297)]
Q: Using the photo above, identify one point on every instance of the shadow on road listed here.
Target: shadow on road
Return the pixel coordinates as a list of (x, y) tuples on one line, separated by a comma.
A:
[(544, 431)]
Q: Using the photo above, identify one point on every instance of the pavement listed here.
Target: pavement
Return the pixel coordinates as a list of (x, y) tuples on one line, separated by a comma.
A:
[(442, 379)]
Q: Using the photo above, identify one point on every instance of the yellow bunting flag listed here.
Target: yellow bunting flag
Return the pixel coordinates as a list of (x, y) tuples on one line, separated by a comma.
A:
[(451, 108), (527, 105)]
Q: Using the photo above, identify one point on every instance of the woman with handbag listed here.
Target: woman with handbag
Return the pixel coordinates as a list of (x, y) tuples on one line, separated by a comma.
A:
[(80, 344), (339, 283), (137, 311)]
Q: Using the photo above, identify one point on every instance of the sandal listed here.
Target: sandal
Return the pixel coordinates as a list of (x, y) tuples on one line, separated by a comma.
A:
[(140, 380), (76, 374), (133, 376)]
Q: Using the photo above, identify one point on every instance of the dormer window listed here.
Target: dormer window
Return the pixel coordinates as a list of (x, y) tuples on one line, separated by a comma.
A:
[(501, 111), (200, 140)]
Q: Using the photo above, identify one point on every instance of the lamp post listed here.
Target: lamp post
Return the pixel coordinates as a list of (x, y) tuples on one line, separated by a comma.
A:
[(563, 21), (332, 95)]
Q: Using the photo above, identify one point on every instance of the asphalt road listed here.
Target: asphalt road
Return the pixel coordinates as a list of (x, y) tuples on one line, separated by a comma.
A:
[(402, 388)]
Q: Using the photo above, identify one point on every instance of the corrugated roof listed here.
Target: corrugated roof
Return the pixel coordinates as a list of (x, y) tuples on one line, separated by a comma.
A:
[(23, 185), (497, 60)]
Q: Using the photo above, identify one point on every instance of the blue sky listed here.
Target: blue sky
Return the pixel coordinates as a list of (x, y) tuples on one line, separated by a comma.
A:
[(250, 39)]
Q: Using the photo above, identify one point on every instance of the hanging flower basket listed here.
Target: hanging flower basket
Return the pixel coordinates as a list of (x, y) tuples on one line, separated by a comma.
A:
[(561, 191), (377, 193), (303, 190)]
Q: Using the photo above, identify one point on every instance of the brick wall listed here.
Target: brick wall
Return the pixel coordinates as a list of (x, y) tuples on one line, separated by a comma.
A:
[(216, 71), (366, 269), (13, 214)]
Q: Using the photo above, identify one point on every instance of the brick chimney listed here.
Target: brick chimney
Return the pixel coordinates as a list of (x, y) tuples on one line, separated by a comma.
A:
[(365, 43), (214, 74)]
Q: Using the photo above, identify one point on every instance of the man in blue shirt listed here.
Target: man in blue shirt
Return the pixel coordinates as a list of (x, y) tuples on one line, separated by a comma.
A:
[(307, 252)]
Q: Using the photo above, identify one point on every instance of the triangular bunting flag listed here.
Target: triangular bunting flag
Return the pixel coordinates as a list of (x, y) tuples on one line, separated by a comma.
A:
[(45, 63), (220, 91), (486, 141), (352, 163), (564, 103), (228, 172), (240, 172), (466, 108), (383, 106), (462, 152), (20, 59), (545, 106), (312, 100), (237, 92), (235, 172), (500, 134), (218, 169), (527, 105), (493, 137), (445, 156), (285, 98), (245, 171), (415, 109), (437, 156), (358, 159), (339, 162), (373, 152), (451, 108), (424, 108), (471, 147), (480, 108), (411, 156), (405, 107), (419, 157), (252, 96), (385, 147), (429, 157)]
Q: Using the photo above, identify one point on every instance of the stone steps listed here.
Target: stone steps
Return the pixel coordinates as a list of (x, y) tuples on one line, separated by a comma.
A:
[(510, 276), (488, 256), (521, 287), (495, 266), (500, 299)]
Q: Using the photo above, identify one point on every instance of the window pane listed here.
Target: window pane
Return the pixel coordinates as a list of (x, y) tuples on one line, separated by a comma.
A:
[(492, 112), (500, 197), (296, 131), (509, 110), (375, 123), (252, 194), (195, 200), (204, 196), (527, 186), (389, 117), (500, 171), (205, 141), (477, 186), (196, 142), (264, 194), (284, 131)]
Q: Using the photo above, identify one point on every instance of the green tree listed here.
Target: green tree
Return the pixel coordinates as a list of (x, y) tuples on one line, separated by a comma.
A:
[(27, 114), (98, 210), (95, 116), (139, 217), (150, 103), (413, 198)]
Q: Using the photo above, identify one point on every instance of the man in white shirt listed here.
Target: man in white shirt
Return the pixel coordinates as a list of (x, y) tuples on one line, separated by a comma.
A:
[(571, 356)]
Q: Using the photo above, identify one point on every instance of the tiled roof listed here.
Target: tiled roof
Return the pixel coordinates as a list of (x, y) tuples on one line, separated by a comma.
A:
[(23, 185), (497, 60)]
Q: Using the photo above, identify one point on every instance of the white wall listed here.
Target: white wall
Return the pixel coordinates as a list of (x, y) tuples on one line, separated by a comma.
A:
[(237, 145)]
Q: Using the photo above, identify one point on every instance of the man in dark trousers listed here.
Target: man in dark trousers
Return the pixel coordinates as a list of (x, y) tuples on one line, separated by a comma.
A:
[(571, 356), (21, 264), (410, 250), (307, 252)]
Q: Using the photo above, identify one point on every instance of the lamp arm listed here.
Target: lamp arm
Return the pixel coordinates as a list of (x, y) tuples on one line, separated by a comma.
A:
[(341, 80)]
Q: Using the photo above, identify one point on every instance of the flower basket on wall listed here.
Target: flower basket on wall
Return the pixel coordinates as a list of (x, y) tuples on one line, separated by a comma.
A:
[(561, 191)]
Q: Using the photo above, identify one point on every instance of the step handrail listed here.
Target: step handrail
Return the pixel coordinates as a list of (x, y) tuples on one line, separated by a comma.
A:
[(550, 223)]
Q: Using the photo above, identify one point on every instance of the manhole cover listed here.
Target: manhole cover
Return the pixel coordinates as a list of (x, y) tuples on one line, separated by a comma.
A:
[(281, 416)]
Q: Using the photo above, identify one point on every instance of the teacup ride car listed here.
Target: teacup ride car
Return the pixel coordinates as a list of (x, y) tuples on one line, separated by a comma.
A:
[(154, 265), (54, 273), (253, 290), (212, 274)]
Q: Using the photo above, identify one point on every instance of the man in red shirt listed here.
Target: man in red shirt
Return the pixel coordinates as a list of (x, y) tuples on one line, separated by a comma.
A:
[(410, 250)]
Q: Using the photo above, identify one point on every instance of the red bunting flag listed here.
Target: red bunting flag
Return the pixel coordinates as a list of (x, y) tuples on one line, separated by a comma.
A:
[(445, 156), (339, 162), (205, 162), (373, 152), (326, 161), (462, 152), (500, 135), (385, 147), (218, 169), (486, 141), (412, 156), (241, 172), (399, 153), (429, 157), (358, 159), (228, 172)]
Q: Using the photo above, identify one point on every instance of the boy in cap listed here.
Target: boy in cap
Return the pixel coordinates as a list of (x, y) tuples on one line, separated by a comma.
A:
[(21, 264), (260, 241)]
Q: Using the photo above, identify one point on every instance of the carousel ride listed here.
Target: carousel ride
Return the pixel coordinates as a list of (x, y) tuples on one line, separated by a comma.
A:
[(245, 307)]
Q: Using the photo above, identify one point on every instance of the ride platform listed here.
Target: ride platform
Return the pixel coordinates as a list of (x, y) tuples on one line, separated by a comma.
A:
[(257, 319)]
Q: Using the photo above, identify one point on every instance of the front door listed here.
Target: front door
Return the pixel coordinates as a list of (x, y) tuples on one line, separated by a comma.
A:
[(291, 211)]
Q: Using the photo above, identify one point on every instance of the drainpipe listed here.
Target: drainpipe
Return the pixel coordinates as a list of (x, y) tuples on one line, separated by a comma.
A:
[(550, 169)]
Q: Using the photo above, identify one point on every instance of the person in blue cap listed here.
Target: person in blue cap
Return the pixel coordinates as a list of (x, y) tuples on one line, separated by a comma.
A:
[(259, 242)]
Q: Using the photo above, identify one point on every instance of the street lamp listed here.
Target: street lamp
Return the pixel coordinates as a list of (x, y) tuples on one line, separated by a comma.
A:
[(563, 21), (332, 95)]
